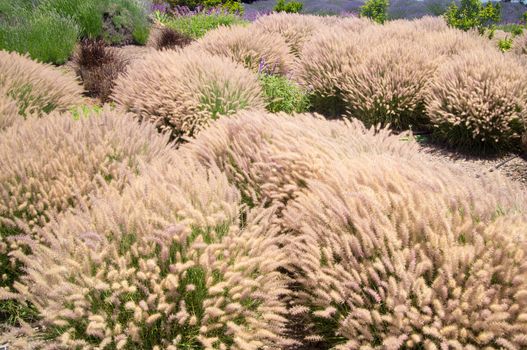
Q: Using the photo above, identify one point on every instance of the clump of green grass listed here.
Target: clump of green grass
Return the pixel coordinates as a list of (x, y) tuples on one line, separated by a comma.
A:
[(49, 29), (45, 36), (283, 95), (197, 25)]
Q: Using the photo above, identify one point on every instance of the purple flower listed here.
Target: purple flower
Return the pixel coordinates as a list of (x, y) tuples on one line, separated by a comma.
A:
[(160, 7)]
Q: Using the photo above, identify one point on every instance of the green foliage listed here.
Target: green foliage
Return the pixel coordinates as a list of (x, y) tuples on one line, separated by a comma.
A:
[(513, 28), (231, 6), (46, 36), (376, 10), (472, 14), (85, 111), (48, 29), (505, 44), (127, 18), (87, 14), (197, 25), (283, 95), (288, 7)]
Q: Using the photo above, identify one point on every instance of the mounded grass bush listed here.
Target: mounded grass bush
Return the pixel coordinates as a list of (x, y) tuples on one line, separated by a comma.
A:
[(396, 253), (45, 36), (519, 44), (256, 50), (478, 101), (51, 165), (182, 92), (87, 14), (165, 264), (390, 84), (199, 24), (323, 63), (296, 29), (387, 247), (37, 88), (47, 163), (269, 157), (98, 65), (284, 95)]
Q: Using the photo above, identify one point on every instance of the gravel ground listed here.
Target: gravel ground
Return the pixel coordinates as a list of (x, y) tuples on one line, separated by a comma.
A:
[(511, 165)]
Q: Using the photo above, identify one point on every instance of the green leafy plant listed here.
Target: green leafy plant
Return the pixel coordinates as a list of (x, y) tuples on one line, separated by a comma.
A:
[(513, 28), (125, 22), (283, 95), (197, 25), (85, 111), (87, 14), (472, 14), (288, 7), (46, 36), (230, 6), (505, 44), (377, 10)]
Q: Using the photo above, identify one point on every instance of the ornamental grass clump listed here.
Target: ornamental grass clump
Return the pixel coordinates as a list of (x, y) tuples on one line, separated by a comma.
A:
[(323, 63), (182, 92), (519, 44), (394, 253), (296, 29), (251, 47), (50, 165), (390, 84), (270, 157), (37, 88), (478, 101), (98, 65), (166, 264)]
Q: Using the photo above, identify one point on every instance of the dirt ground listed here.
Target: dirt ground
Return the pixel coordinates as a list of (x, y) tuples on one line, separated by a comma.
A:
[(511, 165)]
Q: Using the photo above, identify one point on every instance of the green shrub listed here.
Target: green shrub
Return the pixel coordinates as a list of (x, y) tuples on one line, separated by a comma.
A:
[(85, 111), (125, 22), (513, 28), (283, 95), (46, 36), (377, 10), (231, 6), (505, 44), (88, 14), (472, 14), (288, 7), (197, 25)]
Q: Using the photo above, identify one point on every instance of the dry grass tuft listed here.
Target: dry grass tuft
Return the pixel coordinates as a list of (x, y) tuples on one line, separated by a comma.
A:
[(165, 264), (296, 29), (478, 100), (182, 92), (37, 88), (390, 84), (253, 48), (399, 253)]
